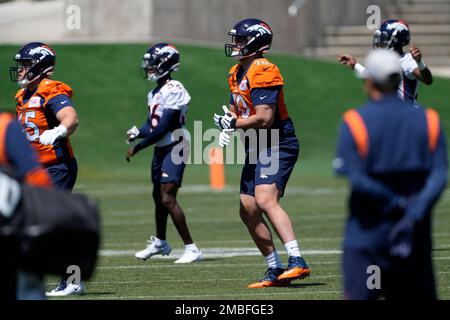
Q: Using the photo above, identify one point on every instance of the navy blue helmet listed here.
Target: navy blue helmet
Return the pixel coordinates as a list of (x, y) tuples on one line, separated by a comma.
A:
[(393, 34), (249, 37), (159, 60), (33, 61)]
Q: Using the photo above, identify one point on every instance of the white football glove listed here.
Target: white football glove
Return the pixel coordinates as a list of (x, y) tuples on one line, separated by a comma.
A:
[(50, 136), (132, 134), (225, 137), (227, 121)]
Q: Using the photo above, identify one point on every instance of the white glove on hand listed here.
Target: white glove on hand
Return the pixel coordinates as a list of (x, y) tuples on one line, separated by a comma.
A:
[(49, 136), (227, 121), (132, 134), (225, 137)]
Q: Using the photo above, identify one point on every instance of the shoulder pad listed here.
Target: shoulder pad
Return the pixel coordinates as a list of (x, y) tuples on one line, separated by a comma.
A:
[(263, 73), (51, 88)]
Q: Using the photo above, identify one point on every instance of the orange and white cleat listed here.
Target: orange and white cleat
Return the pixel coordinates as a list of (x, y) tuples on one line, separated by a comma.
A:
[(297, 269), (270, 280)]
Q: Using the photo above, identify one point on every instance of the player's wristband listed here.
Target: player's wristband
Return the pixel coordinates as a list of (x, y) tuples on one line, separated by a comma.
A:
[(422, 65), (233, 123), (359, 70), (62, 131)]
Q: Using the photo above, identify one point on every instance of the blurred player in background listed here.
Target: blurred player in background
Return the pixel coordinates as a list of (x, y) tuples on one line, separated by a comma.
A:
[(46, 112), (394, 35), (395, 158), (167, 108), (18, 159), (257, 102)]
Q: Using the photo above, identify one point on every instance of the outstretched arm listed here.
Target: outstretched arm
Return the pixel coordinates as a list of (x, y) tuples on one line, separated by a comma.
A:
[(169, 117)]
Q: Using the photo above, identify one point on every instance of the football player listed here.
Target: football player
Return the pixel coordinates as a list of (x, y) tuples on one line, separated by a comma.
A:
[(46, 112), (395, 35), (18, 158), (257, 102), (167, 104)]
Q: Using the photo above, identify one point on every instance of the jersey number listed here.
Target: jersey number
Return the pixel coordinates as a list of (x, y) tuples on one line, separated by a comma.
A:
[(29, 124), (154, 118), (244, 110)]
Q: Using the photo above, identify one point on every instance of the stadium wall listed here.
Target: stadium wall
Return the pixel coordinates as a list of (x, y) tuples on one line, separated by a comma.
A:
[(200, 21), (210, 20)]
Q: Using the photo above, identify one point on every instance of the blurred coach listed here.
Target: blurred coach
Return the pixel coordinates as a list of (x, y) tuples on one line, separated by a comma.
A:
[(394, 156)]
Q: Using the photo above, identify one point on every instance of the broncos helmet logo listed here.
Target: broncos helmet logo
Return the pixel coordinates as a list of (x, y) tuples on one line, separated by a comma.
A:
[(169, 50), (399, 26), (260, 28), (43, 51)]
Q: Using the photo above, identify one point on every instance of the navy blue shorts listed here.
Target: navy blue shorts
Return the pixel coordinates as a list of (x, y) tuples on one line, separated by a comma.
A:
[(410, 278), (272, 165), (164, 170), (64, 174)]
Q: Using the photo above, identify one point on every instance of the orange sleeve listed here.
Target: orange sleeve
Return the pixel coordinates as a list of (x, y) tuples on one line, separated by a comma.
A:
[(433, 128), (38, 177), (359, 131), (265, 75)]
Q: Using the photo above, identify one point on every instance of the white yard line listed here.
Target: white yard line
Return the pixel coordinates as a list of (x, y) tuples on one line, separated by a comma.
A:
[(220, 242), (148, 265), (303, 218), (212, 253), (127, 189), (199, 280)]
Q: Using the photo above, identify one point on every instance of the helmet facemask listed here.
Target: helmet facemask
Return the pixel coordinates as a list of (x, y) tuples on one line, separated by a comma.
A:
[(237, 46), (25, 72), (152, 67)]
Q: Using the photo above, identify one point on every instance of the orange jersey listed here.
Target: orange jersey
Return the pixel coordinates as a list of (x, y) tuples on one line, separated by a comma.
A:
[(35, 116), (261, 74), (21, 160)]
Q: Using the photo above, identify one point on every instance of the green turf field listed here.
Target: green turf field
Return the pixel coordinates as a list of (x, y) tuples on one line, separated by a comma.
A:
[(110, 97)]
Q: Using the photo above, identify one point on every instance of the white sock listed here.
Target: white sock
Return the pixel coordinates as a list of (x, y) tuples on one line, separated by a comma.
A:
[(160, 243), (191, 247), (292, 248), (273, 260)]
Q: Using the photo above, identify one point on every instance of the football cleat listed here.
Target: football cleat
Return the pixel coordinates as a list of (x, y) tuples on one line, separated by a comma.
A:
[(65, 289), (297, 269), (153, 249), (190, 256), (270, 280)]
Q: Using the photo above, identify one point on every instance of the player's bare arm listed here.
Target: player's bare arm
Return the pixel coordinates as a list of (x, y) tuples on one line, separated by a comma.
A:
[(68, 118), (262, 119), (422, 73)]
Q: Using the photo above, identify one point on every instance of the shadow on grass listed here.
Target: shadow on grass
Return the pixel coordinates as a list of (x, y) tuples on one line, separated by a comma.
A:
[(442, 249), (98, 293), (305, 285)]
